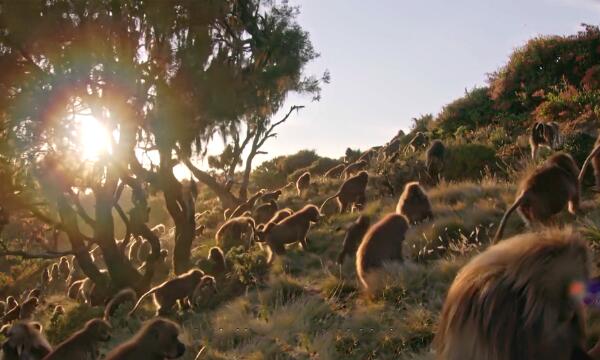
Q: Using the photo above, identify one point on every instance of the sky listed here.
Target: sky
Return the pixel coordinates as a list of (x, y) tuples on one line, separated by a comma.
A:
[(392, 60)]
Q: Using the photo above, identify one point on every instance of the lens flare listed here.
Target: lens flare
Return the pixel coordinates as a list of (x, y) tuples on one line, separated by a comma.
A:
[(94, 138)]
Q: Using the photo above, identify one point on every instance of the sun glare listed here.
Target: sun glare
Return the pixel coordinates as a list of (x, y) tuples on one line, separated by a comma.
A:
[(94, 139)]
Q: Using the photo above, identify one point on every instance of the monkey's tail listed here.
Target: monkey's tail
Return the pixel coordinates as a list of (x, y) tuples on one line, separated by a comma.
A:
[(594, 152), (327, 200), (137, 304), (500, 231)]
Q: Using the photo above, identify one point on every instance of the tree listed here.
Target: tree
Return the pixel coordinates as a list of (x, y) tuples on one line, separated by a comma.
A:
[(162, 77)]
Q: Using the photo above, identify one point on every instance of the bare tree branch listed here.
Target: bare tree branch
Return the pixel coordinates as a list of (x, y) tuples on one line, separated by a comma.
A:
[(26, 255)]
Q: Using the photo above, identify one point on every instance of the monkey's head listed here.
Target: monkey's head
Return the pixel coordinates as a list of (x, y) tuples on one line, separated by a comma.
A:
[(195, 275), (215, 252), (566, 162), (526, 282), (99, 329), (312, 213), (163, 335), (24, 341), (209, 283)]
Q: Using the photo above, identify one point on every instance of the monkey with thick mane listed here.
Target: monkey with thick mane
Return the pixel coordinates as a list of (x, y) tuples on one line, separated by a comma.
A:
[(247, 206), (354, 168), (303, 183), (414, 203), (335, 172), (263, 213), (233, 231), (382, 243), (292, 229), (435, 159), (156, 340), (24, 341), (513, 301), (418, 141), (546, 192), (181, 289), (352, 192), (354, 235), (270, 196), (83, 344), (594, 158), (543, 134)]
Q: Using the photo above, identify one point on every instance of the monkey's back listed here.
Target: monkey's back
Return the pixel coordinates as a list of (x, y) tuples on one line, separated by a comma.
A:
[(550, 189), (383, 242)]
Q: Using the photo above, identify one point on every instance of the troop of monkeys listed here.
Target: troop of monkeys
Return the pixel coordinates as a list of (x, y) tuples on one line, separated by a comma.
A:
[(521, 283)]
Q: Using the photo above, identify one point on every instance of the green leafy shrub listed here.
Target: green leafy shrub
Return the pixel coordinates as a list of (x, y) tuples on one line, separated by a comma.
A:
[(63, 327), (469, 161)]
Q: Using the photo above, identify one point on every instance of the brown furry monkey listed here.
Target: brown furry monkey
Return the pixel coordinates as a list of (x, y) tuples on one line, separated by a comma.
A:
[(335, 172), (24, 341), (169, 292), (124, 296), (271, 196), (134, 248), (594, 158), (215, 255), (382, 243), (303, 183), (414, 203), (263, 213), (418, 141), (28, 307), (280, 215), (74, 289), (11, 303), (83, 344), (12, 314), (156, 340), (290, 230), (354, 168), (546, 192), (352, 192), (514, 301), (64, 268), (233, 231), (543, 134), (45, 278), (354, 235), (435, 159), (391, 149), (247, 206)]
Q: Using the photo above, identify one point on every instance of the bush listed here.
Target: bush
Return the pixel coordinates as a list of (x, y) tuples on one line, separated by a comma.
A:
[(467, 113), (63, 327), (319, 167), (469, 161)]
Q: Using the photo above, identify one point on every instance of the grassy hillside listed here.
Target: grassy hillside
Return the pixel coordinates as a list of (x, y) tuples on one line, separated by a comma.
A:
[(305, 306)]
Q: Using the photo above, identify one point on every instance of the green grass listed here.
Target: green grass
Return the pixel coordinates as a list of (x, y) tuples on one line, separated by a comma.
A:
[(305, 306)]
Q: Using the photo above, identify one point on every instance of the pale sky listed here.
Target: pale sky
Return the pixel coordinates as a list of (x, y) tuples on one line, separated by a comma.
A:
[(392, 60)]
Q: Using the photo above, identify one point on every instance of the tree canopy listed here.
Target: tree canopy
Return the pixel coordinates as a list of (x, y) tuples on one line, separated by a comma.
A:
[(162, 77)]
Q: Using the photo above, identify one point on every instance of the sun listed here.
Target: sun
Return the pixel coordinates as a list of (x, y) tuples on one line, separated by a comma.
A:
[(94, 138)]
